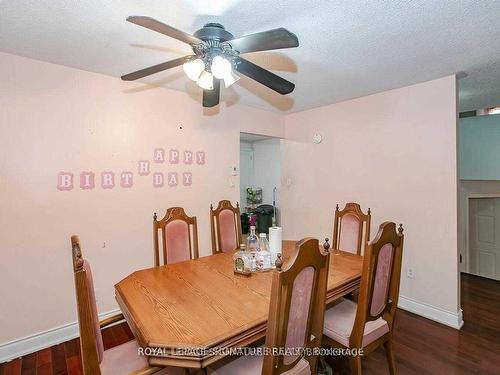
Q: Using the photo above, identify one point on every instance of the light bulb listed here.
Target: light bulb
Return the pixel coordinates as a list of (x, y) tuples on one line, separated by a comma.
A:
[(230, 79), (221, 67), (206, 80), (194, 68)]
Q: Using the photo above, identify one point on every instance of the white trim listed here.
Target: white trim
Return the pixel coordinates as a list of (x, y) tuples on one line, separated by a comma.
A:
[(466, 266), (437, 314), (38, 341), (485, 195)]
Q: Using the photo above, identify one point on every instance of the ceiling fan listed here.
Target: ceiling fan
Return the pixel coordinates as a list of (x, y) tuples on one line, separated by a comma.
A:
[(217, 56)]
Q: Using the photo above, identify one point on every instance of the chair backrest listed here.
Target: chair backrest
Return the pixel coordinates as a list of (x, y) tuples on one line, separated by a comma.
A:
[(91, 344), (225, 222), (179, 236), (351, 228), (297, 307), (379, 289)]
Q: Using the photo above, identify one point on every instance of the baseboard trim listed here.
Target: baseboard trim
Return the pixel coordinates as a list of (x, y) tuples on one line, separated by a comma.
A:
[(30, 344), (38, 341), (454, 320)]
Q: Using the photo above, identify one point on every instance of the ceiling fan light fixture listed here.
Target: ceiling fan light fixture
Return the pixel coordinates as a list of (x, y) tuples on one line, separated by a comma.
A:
[(216, 54), (221, 67), (206, 80), (194, 68), (230, 79)]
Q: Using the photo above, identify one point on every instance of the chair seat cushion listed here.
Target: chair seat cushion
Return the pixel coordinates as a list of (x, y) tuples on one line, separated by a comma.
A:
[(253, 365), (339, 321), (124, 359)]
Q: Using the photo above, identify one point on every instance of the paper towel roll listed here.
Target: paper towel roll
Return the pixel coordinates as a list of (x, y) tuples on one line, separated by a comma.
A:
[(275, 240)]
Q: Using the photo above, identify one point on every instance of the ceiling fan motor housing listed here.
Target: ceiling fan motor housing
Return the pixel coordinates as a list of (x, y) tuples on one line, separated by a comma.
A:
[(213, 31), (213, 35)]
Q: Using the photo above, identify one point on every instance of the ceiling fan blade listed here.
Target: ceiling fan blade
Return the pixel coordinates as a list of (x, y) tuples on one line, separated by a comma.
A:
[(264, 76), (264, 41), (152, 24), (155, 69), (211, 97)]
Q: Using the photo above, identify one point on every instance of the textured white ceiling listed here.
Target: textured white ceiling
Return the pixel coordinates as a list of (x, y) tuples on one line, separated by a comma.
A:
[(347, 49)]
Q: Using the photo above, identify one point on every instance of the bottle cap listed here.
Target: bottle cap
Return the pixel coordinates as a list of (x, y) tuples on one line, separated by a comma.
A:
[(262, 235), (243, 246), (326, 244)]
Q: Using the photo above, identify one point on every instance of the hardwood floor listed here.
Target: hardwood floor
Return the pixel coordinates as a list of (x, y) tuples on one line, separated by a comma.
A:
[(425, 347), (63, 358), (422, 346)]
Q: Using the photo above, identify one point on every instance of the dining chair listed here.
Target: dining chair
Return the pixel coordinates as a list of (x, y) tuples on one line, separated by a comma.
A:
[(295, 320), (179, 236), (120, 360), (225, 223), (351, 228), (369, 323)]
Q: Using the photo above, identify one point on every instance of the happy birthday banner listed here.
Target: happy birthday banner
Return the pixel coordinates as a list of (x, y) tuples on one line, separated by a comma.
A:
[(108, 179)]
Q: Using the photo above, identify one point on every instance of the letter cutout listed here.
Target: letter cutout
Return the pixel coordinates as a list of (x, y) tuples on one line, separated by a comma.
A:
[(159, 155), (127, 180), (87, 180), (107, 180), (65, 181), (174, 156), (158, 179), (172, 179), (143, 167), (187, 178), (188, 157), (200, 157)]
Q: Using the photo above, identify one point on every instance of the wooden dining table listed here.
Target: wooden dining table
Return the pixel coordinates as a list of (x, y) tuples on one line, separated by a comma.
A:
[(188, 313)]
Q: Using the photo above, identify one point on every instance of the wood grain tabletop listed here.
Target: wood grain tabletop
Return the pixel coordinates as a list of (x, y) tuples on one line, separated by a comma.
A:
[(202, 304)]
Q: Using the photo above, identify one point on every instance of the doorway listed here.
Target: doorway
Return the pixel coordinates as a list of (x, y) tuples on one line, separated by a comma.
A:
[(260, 174), (484, 237)]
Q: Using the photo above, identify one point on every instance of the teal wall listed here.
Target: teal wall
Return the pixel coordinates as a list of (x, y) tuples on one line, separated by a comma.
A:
[(479, 147)]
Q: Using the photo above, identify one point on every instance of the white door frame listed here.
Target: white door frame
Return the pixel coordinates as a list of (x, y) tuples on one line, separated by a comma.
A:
[(467, 243)]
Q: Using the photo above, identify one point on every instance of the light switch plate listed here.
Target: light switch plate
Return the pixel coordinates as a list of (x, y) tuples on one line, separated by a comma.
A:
[(234, 170)]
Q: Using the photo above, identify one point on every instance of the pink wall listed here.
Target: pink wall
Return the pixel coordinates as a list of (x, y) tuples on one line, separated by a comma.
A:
[(396, 153), (56, 119)]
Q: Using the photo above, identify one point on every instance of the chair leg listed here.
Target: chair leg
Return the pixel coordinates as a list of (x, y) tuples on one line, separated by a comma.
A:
[(355, 365), (389, 352)]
